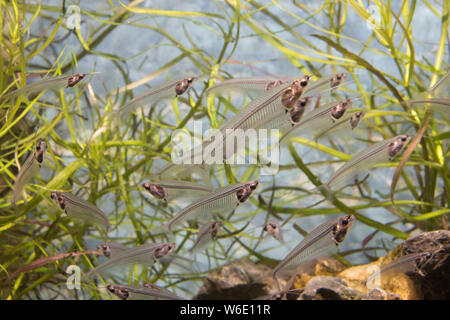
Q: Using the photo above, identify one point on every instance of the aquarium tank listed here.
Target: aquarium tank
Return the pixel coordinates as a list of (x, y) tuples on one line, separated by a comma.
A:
[(149, 149)]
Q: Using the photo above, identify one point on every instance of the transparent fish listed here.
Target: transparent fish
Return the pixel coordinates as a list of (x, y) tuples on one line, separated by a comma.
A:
[(29, 169), (442, 87), (169, 89), (244, 85), (267, 110), (377, 153), (277, 99), (65, 81), (350, 121), (111, 249), (81, 210), (283, 121), (273, 229), (206, 235), (439, 105), (172, 189), (405, 264), (147, 292), (174, 171), (274, 101), (146, 255), (220, 200), (320, 242), (321, 118)]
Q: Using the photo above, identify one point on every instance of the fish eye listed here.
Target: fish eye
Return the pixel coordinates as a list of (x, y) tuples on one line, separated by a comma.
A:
[(345, 222), (391, 144), (304, 83), (146, 185), (404, 139), (189, 80)]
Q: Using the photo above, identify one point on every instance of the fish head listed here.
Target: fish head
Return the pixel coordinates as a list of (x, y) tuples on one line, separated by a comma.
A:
[(342, 227), (41, 147), (182, 86), (155, 190), (397, 145), (422, 259), (163, 250), (292, 93), (273, 84), (214, 228), (356, 118), (273, 229), (59, 199), (105, 249), (298, 110), (339, 109), (246, 190), (253, 185), (337, 79), (74, 79), (119, 292)]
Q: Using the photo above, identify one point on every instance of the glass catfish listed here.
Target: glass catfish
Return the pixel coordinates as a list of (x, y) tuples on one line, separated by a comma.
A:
[(320, 242), (169, 89), (273, 229), (351, 121), (277, 99), (274, 101), (147, 292), (173, 189), (146, 254), (377, 153), (81, 210), (289, 119), (245, 85), (321, 118), (29, 169), (405, 264), (64, 81), (221, 200), (206, 234), (293, 116), (113, 249), (265, 83)]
